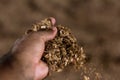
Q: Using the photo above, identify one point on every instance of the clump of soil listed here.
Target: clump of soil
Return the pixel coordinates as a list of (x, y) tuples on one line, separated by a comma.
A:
[(63, 50)]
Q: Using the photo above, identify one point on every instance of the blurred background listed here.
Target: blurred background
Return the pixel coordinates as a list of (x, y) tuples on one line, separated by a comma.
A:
[(95, 23)]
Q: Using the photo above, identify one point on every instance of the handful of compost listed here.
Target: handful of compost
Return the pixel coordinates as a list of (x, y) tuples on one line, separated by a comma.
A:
[(63, 50)]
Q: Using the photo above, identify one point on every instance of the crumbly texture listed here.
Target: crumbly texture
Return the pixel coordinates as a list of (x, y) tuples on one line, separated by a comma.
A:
[(64, 53), (63, 50)]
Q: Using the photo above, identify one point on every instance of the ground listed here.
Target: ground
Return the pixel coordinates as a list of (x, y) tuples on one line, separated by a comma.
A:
[(95, 23)]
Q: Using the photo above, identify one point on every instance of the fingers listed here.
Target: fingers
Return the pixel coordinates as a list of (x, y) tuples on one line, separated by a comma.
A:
[(53, 20), (41, 71), (36, 41), (31, 46), (48, 35)]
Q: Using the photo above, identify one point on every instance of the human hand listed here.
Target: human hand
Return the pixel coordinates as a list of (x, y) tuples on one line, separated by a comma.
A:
[(28, 51)]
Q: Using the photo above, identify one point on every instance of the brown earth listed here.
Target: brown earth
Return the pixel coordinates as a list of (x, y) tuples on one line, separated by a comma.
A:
[(95, 23)]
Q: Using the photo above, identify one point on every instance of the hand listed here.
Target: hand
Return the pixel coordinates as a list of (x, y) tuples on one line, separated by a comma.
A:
[(28, 51)]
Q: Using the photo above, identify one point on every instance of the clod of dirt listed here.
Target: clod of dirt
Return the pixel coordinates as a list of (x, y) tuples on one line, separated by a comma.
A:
[(63, 50)]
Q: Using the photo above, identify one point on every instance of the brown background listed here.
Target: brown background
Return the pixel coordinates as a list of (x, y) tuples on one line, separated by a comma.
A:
[(95, 23)]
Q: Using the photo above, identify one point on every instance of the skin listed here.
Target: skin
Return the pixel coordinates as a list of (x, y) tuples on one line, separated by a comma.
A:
[(23, 61)]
